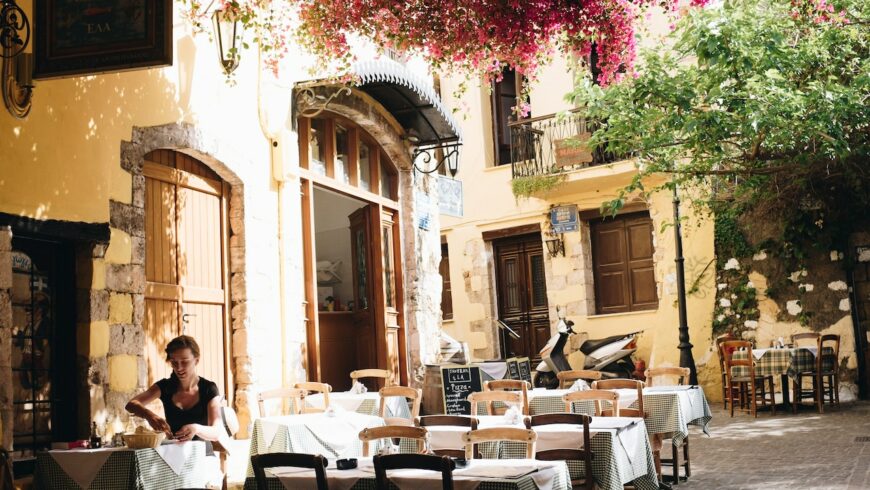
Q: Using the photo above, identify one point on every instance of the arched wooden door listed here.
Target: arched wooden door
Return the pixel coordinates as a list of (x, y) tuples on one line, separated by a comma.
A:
[(186, 263)]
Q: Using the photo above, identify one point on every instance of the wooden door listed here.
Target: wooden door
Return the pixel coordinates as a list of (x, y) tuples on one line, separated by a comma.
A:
[(861, 293), (186, 264), (363, 287), (522, 295), (622, 258)]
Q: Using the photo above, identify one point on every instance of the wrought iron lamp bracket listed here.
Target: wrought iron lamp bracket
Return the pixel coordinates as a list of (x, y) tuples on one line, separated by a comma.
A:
[(429, 158), (17, 72)]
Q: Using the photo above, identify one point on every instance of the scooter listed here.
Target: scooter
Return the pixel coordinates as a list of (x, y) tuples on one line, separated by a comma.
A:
[(611, 356)]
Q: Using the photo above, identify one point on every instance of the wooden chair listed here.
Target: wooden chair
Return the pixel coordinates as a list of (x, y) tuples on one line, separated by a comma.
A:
[(745, 386), (489, 397), (298, 460), (442, 464), (808, 339), (419, 434), (623, 384), (568, 378), (294, 395), (509, 385), (449, 421), (725, 396), (359, 374), (568, 454), (825, 369), (681, 375), (494, 434), (314, 387), (413, 394), (596, 396)]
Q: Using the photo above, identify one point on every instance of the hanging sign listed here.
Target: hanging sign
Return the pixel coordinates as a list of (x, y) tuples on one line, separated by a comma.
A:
[(564, 218), (449, 196)]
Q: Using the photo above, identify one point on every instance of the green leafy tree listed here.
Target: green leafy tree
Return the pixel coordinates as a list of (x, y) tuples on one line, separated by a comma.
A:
[(761, 109)]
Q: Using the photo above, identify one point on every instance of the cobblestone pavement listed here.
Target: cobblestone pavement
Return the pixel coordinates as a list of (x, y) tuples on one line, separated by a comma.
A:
[(807, 450)]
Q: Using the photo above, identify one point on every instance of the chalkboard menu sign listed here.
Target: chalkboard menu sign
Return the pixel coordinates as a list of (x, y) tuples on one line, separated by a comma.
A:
[(457, 382), (513, 371), (525, 368)]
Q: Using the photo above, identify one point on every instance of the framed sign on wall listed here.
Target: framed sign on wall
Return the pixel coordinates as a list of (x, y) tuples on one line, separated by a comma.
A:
[(78, 37)]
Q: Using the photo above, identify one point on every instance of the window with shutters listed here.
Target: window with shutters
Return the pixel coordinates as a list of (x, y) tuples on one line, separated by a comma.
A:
[(505, 96), (446, 289), (622, 257)]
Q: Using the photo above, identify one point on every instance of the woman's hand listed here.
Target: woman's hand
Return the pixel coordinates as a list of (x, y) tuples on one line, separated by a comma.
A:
[(159, 424), (187, 432)]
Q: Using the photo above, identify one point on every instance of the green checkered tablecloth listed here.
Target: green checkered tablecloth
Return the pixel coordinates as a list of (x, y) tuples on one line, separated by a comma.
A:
[(776, 362), (317, 433), (135, 469), (667, 412), (562, 482)]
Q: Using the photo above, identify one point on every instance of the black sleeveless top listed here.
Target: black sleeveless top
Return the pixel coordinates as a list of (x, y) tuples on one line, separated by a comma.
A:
[(197, 414)]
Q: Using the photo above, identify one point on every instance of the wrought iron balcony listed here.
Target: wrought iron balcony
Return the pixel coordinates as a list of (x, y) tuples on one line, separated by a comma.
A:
[(554, 144)]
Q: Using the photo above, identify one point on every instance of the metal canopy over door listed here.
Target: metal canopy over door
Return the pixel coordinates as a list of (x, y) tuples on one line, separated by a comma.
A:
[(186, 263), (522, 295)]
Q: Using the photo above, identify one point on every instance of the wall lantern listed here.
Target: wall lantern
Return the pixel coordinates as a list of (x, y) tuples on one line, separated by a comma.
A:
[(428, 158), (17, 70), (555, 244), (226, 26)]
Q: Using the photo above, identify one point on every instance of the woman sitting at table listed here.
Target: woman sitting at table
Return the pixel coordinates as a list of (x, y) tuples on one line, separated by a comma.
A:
[(191, 403)]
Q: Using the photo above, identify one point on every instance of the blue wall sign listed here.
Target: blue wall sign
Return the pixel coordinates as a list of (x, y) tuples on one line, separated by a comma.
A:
[(564, 218)]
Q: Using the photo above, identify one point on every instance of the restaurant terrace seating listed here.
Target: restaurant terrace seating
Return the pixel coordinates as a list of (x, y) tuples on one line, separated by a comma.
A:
[(313, 387), (260, 462), (295, 396), (509, 385), (418, 434), (413, 394), (442, 464), (725, 397), (494, 434), (568, 378), (596, 396), (584, 454), (678, 374), (682, 375), (824, 369), (749, 386), (489, 397), (623, 384), (448, 421)]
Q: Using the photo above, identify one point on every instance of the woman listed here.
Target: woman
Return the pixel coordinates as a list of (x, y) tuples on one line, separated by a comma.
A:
[(191, 403)]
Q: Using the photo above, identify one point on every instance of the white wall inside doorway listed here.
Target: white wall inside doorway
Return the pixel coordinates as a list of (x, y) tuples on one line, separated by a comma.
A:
[(332, 237)]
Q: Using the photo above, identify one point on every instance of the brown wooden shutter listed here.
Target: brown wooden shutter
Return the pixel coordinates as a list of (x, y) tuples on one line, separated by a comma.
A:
[(622, 251), (446, 288)]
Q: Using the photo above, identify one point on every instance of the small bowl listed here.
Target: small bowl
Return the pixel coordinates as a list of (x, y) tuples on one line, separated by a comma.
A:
[(346, 464)]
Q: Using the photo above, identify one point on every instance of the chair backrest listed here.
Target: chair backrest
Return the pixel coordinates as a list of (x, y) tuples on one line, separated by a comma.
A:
[(413, 394), (567, 378), (299, 460), (473, 437), (510, 385), (566, 454), (807, 338), (442, 464), (719, 340), (450, 421), (624, 384), (314, 387), (294, 395), (680, 373), (596, 396), (419, 434), (387, 376), (825, 359), (488, 397), (728, 348)]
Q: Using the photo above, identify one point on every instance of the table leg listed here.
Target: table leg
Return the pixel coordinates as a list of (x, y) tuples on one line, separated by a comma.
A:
[(786, 403)]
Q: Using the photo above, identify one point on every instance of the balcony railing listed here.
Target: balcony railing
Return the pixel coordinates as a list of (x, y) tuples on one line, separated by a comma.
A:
[(554, 144)]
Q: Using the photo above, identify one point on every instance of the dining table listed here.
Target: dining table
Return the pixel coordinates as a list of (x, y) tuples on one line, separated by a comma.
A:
[(170, 466), (621, 447), (479, 474), (784, 362), (368, 403), (333, 434)]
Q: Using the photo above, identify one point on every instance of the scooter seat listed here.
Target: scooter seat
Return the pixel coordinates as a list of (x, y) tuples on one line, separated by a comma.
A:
[(591, 346)]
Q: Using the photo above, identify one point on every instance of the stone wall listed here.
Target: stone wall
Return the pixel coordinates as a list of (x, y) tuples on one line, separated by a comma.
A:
[(6, 414)]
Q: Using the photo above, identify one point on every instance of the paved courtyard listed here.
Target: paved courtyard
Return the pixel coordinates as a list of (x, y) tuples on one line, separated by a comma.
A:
[(807, 450)]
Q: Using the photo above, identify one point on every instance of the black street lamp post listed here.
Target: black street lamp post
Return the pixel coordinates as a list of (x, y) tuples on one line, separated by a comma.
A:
[(686, 359)]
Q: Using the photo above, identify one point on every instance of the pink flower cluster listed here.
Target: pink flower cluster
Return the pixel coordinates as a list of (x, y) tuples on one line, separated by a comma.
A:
[(482, 36), (818, 11)]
